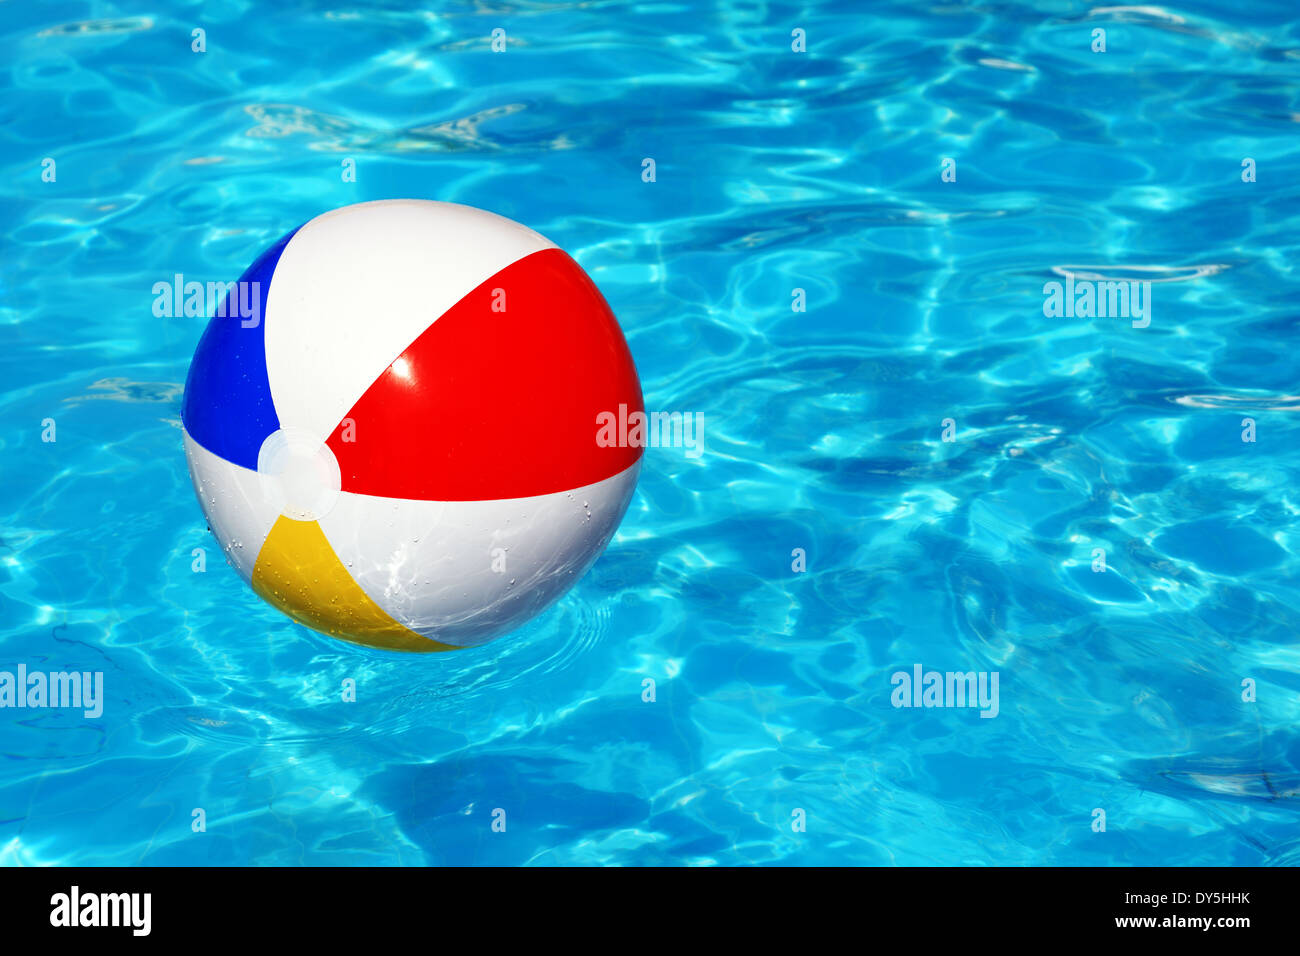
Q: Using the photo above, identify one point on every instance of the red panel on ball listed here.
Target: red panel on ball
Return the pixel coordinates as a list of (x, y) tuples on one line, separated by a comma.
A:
[(499, 397)]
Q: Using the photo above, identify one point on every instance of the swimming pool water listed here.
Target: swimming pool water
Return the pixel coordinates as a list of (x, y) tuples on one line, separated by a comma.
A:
[(1119, 690)]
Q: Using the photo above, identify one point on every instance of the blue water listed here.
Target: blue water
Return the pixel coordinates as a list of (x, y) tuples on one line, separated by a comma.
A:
[(1120, 690)]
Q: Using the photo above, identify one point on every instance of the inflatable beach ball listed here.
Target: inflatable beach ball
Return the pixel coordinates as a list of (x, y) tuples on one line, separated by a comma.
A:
[(391, 424)]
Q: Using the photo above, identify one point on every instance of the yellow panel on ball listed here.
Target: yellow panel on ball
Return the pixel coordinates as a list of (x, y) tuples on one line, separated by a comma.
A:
[(298, 572)]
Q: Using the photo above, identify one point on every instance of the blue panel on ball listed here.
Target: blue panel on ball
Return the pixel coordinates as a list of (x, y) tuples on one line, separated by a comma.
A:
[(227, 406)]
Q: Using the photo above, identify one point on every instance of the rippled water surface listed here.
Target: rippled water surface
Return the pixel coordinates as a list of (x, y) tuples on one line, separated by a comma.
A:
[(1119, 690)]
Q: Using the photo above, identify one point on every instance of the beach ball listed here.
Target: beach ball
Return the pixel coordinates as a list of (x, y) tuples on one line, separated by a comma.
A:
[(391, 424)]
